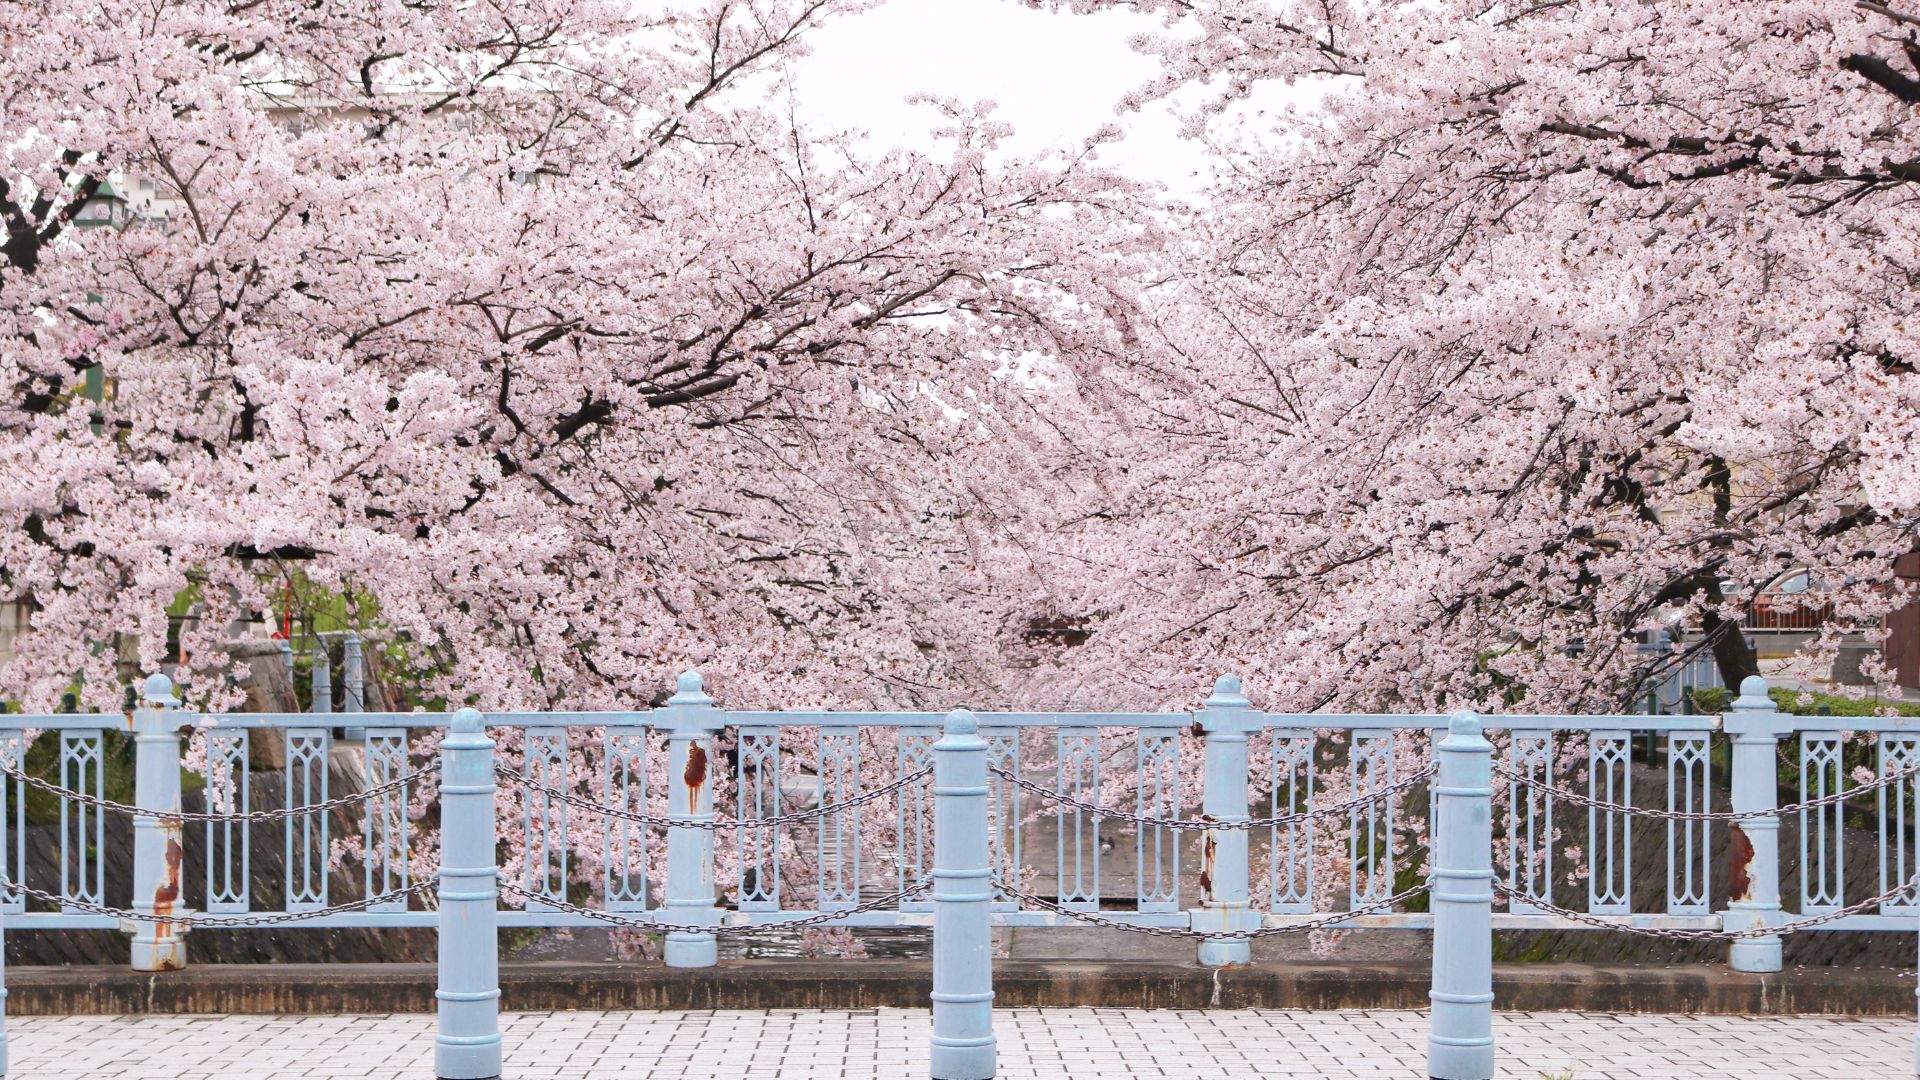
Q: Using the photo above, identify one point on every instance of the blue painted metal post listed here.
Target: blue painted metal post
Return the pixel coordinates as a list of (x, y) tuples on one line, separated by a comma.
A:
[(157, 842), (353, 681), (691, 721), (322, 677), (963, 1043), (1754, 844), (1224, 901), (467, 1044), (1460, 1042), (3, 988)]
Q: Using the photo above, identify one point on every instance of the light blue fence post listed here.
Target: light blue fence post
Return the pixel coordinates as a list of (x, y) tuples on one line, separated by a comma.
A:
[(1460, 1041), (3, 987), (467, 1044), (691, 721), (1753, 881), (157, 848), (1224, 902), (963, 1043), (353, 681), (322, 677)]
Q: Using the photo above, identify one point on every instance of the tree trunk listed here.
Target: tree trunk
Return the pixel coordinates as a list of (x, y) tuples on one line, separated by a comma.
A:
[(1731, 653)]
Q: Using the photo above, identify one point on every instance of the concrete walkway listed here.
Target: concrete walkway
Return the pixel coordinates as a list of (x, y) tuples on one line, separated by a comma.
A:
[(890, 1044)]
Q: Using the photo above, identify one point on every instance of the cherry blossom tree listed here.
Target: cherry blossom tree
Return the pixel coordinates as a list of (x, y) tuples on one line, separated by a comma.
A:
[(541, 329), (1508, 332), (544, 334)]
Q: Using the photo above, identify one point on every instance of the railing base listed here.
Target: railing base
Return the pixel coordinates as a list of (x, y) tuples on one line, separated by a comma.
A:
[(150, 954), (690, 954), (1219, 954), (1758, 956)]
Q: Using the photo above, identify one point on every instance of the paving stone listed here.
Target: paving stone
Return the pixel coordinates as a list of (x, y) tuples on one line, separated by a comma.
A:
[(890, 1044)]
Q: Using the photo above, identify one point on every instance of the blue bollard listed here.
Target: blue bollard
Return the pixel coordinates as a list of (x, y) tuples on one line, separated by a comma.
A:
[(691, 721), (353, 680), (963, 1043), (1460, 1039), (1755, 726), (466, 1045), (1225, 903), (322, 678), (3, 991), (158, 851)]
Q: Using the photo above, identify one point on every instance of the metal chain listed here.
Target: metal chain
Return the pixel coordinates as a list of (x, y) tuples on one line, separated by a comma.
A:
[(1202, 824), (1675, 934), (711, 826), (615, 919), (1202, 935), (265, 919), (196, 815), (1578, 799)]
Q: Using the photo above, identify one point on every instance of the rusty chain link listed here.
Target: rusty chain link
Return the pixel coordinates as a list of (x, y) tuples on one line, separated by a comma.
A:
[(248, 920), (1578, 799), (612, 918), (567, 797), (202, 815), (1677, 934), (1204, 825), (1188, 933)]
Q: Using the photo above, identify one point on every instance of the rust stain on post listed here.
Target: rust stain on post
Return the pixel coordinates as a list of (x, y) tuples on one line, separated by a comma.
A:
[(168, 891), (1740, 853), (1207, 845), (695, 776)]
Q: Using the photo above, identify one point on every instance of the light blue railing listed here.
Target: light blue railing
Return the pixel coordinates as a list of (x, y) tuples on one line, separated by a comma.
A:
[(965, 852)]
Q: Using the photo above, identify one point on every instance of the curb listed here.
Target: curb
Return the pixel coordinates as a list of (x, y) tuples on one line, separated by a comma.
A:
[(814, 984)]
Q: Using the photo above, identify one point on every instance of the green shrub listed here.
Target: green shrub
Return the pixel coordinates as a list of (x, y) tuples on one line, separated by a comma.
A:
[(1788, 701), (1708, 701)]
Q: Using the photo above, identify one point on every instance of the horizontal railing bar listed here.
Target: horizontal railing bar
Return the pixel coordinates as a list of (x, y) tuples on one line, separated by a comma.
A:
[(1904, 924), (1490, 721), (1850, 723), (54, 920), (610, 718), (1507, 920), (876, 920), (236, 721), (1085, 719), (831, 718), (799, 718), (66, 721)]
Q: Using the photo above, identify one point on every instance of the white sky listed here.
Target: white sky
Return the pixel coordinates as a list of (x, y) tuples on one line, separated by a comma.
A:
[(1056, 78)]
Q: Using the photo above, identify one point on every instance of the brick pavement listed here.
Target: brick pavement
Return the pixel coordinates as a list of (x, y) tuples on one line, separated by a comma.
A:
[(890, 1044)]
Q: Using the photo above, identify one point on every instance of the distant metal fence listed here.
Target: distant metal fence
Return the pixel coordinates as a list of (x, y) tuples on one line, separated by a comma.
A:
[(967, 799), (1675, 676)]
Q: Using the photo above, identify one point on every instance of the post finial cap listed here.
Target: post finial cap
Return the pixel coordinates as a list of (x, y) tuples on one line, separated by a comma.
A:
[(1753, 694), (1464, 722), (1226, 693), (689, 690), (962, 722), (158, 690), (468, 721)]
